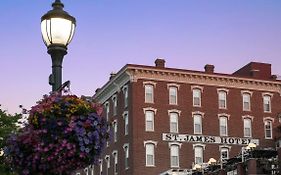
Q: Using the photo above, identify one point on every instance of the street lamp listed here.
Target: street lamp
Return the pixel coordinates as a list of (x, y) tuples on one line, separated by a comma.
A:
[(57, 28)]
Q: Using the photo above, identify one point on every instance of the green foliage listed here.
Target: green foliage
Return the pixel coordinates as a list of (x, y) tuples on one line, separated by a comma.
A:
[(8, 125)]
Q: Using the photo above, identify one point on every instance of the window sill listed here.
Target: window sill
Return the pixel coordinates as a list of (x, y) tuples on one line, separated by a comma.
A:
[(150, 166)]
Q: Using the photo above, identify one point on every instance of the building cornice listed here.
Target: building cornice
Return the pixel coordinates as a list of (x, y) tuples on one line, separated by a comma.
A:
[(200, 78)]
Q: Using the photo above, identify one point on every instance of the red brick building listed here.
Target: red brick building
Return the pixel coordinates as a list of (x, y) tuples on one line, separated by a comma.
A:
[(165, 118)]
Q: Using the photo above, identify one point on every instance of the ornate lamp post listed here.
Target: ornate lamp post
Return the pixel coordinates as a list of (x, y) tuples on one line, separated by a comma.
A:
[(57, 28)]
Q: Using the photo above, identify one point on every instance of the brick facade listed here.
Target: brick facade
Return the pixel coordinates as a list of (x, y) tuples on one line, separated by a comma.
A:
[(134, 77)]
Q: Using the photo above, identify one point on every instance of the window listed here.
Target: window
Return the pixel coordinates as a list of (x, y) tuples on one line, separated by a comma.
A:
[(100, 167), (149, 121), (126, 120), (222, 99), (246, 102), (115, 130), (149, 93), (115, 159), (92, 169), (126, 94), (196, 97), (86, 171), (126, 150), (114, 100), (247, 127), (149, 149), (224, 154), (223, 126), (267, 103), (198, 154), (107, 159), (107, 110), (174, 155), (197, 124), (174, 122), (268, 129), (173, 95)]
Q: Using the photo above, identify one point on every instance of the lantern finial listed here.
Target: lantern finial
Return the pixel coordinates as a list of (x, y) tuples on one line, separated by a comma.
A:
[(57, 4)]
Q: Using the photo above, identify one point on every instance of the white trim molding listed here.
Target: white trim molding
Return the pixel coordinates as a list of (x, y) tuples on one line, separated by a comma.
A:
[(248, 116), (149, 109), (175, 143), (224, 146), (222, 89), (246, 92), (173, 85), (268, 118), (201, 88), (150, 141), (224, 115), (198, 113), (174, 111), (199, 144), (267, 94), (149, 83)]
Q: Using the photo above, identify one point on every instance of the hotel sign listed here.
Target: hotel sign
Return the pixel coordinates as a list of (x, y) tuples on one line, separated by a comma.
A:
[(208, 139)]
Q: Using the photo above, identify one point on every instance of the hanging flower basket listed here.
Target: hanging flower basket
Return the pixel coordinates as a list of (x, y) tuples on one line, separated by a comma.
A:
[(64, 133)]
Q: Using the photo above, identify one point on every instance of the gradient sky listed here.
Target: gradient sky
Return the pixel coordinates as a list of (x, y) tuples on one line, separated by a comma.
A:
[(111, 33)]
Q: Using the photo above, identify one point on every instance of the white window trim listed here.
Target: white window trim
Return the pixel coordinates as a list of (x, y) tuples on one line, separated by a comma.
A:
[(107, 106), (101, 167), (202, 116), (267, 119), (267, 94), (115, 153), (226, 148), (179, 146), (114, 107), (155, 145), (198, 113), (124, 90), (107, 159), (124, 114), (270, 105), (153, 121), (150, 141), (251, 118), (177, 89), (199, 145), (174, 111), (222, 89), (173, 85), (115, 123), (248, 116), (124, 148), (246, 93), (175, 143), (177, 121), (150, 109), (201, 88), (154, 86), (149, 83), (224, 116)]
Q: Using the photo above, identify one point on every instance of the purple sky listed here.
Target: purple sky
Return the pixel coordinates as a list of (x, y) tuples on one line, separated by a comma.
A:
[(187, 33)]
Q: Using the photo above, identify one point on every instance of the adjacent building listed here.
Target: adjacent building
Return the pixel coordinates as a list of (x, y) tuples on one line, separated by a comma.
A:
[(166, 119)]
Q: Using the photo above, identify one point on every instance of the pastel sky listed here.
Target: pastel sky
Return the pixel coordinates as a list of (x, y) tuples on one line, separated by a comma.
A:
[(111, 33)]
